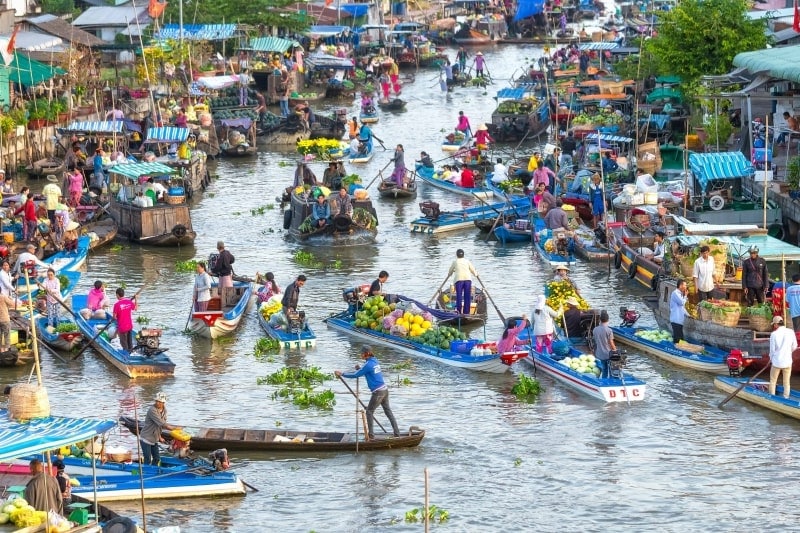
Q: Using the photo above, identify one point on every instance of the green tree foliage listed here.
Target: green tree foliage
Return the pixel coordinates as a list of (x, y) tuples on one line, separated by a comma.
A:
[(257, 13), (637, 66), (700, 37), (58, 7)]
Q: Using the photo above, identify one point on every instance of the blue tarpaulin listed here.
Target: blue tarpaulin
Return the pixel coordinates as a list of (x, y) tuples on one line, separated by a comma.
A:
[(514, 93), (96, 126), (357, 10), (528, 8), (721, 166), (608, 137)]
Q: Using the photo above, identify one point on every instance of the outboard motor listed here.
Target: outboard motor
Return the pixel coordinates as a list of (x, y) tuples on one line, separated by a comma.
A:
[(430, 210), (735, 362), (629, 316), (617, 360), (148, 342)]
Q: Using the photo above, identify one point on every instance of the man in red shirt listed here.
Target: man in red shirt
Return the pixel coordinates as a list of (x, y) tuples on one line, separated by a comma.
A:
[(29, 217), (123, 314), (467, 179)]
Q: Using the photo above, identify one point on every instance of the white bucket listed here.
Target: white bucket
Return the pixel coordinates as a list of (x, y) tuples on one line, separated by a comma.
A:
[(651, 198)]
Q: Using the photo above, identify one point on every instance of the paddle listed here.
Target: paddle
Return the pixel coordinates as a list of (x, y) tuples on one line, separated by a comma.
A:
[(379, 174), (100, 332), (380, 141), (489, 296), (743, 385), (362, 403), (438, 290)]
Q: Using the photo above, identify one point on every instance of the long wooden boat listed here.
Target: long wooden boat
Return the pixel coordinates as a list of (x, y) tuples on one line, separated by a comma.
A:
[(63, 341), (589, 248), (395, 104), (344, 322), (261, 440), (133, 365), (445, 302), (163, 224), (710, 359), (429, 176), (625, 242), (389, 189), (222, 317), (757, 392), (443, 222), (472, 38), (607, 389), (63, 261), (46, 166), (529, 119), (361, 228), (239, 136), (458, 142), (289, 340), (100, 232)]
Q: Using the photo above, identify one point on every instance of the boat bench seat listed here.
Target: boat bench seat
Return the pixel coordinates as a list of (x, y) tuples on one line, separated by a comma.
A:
[(215, 304)]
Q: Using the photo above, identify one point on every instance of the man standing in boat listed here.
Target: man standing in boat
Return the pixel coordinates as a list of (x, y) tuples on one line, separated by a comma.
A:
[(380, 392), (755, 278), (463, 270), (291, 296), (677, 310), (223, 269), (603, 344), (703, 273), (782, 342)]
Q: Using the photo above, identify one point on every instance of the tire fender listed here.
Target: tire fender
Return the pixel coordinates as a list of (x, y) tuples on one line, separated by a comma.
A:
[(617, 259)]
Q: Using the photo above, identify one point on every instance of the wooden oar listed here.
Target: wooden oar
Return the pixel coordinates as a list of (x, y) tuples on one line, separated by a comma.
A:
[(489, 296), (362, 403), (494, 225), (105, 326), (438, 290), (379, 174), (743, 385)]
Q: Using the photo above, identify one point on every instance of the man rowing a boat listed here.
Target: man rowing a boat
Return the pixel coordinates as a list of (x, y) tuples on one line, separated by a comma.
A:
[(463, 270), (380, 392)]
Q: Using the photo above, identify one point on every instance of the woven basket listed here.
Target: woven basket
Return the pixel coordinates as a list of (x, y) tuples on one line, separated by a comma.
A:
[(687, 266), (28, 400), (705, 314), (729, 319), (175, 200), (760, 323)]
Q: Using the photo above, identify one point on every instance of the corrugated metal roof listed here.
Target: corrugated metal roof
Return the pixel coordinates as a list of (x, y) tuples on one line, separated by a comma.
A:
[(35, 41), (780, 62), (609, 138), (271, 44), (134, 170), (770, 248), (105, 16), (63, 29), (598, 46), (513, 93), (724, 165), (167, 134), (96, 126), (784, 35), (198, 32)]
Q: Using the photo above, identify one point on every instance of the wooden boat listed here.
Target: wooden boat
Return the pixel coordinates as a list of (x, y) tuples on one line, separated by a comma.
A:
[(389, 189), (453, 142), (192, 172), (100, 232), (362, 158), (516, 117), (396, 104), (293, 339), (163, 224), (757, 392), (432, 178), (360, 228), (146, 360), (521, 231), (710, 359), (435, 221), (222, 317), (589, 247), (558, 256), (261, 440), (612, 389), (240, 137), (45, 167), (344, 322), (62, 341), (63, 261), (626, 244), (445, 301), (471, 37)]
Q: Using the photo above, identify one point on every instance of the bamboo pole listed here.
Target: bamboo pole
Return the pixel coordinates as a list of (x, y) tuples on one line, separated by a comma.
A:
[(766, 170), (427, 502)]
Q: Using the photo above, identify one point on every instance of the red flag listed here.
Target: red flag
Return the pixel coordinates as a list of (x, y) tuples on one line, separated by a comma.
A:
[(796, 22), (155, 8), (12, 43)]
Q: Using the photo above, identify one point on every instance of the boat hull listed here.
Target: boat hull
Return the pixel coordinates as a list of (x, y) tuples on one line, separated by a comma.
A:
[(59, 341), (64, 261), (607, 390), (483, 363), (169, 485), (712, 360), (466, 218), (222, 322), (388, 189), (757, 392), (304, 340), (426, 174)]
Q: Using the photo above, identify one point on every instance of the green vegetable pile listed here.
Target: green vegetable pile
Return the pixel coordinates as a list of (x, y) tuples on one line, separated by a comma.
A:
[(298, 384), (526, 389), (66, 327), (186, 266), (514, 107)]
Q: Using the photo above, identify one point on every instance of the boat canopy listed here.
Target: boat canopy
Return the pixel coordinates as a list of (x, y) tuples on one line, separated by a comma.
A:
[(512, 93), (242, 122), (271, 44), (719, 166), (216, 83), (656, 120), (325, 61), (96, 126), (608, 138), (167, 134), (770, 248), (29, 72), (598, 46), (135, 170), (780, 62), (42, 434), (323, 32), (528, 8), (197, 32)]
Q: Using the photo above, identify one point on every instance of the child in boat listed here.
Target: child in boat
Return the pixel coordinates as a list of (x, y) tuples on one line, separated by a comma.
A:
[(269, 289)]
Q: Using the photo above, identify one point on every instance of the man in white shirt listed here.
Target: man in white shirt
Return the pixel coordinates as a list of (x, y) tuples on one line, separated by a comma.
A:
[(782, 342), (28, 257), (7, 281), (703, 274), (500, 173)]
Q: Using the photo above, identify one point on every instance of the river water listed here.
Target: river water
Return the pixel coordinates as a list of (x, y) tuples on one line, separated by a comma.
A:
[(674, 462)]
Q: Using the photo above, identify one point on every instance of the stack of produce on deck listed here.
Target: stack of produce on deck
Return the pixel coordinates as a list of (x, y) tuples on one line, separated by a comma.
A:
[(270, 307), (410, 321), (557, 293), (654, 335), (585, 364), (23, 515)]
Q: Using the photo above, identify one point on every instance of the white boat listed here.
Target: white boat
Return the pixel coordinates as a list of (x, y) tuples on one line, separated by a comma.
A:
[(222, 318)]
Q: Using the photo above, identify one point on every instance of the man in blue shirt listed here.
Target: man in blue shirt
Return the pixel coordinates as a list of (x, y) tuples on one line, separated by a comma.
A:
[(380, 392), (677, 310), (793, 299)]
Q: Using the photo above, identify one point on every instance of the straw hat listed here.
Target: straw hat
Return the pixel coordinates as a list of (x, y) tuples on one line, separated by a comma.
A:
[(479, 54), (482, 127), (561, 267), (72, 226), (52, 178), (572, 301)]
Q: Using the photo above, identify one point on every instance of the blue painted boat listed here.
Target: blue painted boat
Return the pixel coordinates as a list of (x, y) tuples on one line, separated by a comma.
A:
[(566, 258), (465, 218), (459, 141), (66, 289), (519, 231), (610, 389), (710, 359), (293, 339), (63, 261), (133, 365), (433, 178), (757, 392), (361, 158), (222, 317), (368, 118), (344, 322), (63, 341)]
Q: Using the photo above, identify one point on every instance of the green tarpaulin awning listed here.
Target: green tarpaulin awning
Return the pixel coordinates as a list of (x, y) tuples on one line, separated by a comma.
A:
[(271, 44), (29, 72), (134, 170)]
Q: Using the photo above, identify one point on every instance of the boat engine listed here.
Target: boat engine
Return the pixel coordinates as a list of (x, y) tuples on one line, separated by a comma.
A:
[(735, 362), (430, 210), (355, 295), (617, 360), (629, 316), (219, 458), (148, 342)]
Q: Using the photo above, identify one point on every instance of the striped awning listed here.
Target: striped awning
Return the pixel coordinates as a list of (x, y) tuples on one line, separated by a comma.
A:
[(97, 126), (198, 32), (135, 170), (719, 166), (271, 44), (38, 435), (598, 46), (608, 138), (168, 134), (513, 93)]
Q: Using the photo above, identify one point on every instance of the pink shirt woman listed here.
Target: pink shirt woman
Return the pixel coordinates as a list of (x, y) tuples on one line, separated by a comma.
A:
[(509, 341), (75, 187)]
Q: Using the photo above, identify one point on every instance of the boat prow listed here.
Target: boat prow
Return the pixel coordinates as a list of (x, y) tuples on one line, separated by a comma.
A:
[(222, 317), (757, 392)]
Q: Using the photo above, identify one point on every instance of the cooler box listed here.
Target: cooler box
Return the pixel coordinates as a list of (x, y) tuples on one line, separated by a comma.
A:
[(759, 155)]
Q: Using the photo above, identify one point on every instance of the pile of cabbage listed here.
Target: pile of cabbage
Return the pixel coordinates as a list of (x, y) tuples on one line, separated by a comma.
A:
[(654, 335), (21, 514), (585, 364)]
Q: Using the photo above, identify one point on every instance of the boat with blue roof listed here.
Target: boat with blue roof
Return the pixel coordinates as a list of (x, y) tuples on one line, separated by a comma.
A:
[(434, 178)]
